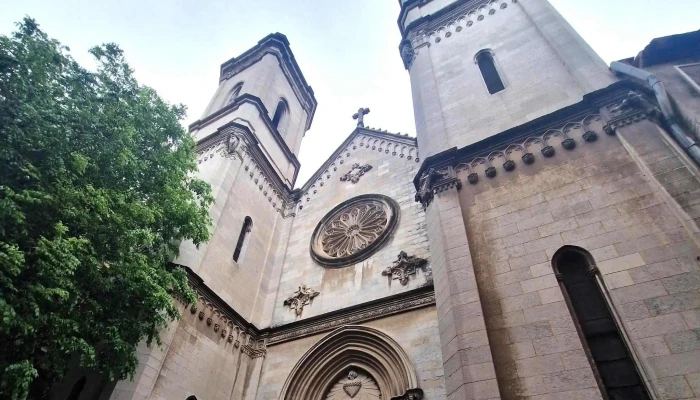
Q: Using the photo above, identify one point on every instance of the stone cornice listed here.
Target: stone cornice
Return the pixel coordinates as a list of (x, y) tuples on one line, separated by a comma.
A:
[(380, 308), (430, 22), (236, 141), (562, 130), (248, 98), (221, 318), (451, 20), (277, 45)]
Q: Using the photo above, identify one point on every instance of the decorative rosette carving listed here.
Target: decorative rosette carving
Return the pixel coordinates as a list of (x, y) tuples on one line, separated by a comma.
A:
[(354, 230)]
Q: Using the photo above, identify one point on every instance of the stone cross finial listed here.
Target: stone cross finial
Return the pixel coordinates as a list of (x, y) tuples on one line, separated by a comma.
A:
[(360, 116)]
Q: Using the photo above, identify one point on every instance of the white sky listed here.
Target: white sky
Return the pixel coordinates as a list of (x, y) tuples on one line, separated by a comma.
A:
[(347, 50)]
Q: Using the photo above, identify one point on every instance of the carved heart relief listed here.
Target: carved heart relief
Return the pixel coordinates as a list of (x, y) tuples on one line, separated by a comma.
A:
[(352, 388)]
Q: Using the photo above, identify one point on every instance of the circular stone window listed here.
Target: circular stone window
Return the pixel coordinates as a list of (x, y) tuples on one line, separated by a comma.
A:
[(354, 230)]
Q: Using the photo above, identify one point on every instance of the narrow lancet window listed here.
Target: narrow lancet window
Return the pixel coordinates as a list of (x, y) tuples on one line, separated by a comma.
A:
[(606, 348), (235, 92), (487, 66), (280, 116), (243, 238)]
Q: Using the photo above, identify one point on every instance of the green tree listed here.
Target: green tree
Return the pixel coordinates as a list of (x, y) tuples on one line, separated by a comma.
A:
[(97, 190)]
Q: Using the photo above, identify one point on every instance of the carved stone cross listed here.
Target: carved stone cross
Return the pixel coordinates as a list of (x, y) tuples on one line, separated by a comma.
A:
[(300, 298), (360, 116), (355, 173), (404, 266)]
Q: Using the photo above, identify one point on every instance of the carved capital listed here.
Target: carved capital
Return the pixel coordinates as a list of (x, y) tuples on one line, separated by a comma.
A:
[(435, 181), (407, 53)]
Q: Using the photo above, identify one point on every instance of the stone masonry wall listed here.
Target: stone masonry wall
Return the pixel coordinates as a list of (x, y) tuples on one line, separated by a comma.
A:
[(390, 175), (542, 61), (415, 331), (614, 198), (201, 361)]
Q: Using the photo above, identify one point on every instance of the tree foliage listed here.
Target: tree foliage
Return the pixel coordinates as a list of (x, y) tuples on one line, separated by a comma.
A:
[(97, 189)]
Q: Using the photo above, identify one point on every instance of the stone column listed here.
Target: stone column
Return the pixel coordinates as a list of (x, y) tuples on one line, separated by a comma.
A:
[(467, 360)]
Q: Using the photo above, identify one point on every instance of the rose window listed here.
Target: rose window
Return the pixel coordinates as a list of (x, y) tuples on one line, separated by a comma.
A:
[(355, 229)]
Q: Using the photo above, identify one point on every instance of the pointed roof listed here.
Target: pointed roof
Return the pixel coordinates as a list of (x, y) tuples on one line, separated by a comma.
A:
[(393, 139), (276, 44)]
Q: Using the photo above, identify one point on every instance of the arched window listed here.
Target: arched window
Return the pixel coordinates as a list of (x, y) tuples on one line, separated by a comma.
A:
[(192, 398), (484, 59), (606, 349), (243, 238), (77, 389), (235, 92), (281, 114)]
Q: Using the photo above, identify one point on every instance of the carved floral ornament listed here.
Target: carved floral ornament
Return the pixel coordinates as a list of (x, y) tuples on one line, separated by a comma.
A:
[(404, 266), (354, 230), (356, 171), (302, 297), (435, 180)]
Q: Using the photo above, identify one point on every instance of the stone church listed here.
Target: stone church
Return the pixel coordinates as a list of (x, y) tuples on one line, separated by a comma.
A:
[(537, 239)]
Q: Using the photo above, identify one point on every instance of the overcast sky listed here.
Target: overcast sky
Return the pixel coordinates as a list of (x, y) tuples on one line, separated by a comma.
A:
[(347, 49)]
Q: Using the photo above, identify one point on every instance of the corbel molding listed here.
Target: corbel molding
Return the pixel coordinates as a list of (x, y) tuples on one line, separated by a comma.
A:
[(236, 141), (563, 131), (216, 315)]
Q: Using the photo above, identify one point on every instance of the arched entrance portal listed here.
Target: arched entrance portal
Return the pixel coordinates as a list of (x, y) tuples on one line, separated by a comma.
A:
[(353, 362)]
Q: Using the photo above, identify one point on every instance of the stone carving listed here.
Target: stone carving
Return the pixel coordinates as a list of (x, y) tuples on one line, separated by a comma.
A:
[(355, 173), (407, 53), (302, 297), (395, 144), (527, 148), (434, 181), (400, 304), (354, 229), (356, 385), (360, 116), (404, 266), (411, 394), (382, 364), (465, 16), (232, 143), (254, 349)]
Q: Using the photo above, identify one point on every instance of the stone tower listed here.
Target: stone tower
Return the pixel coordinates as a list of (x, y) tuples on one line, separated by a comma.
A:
[(537, 240), (450, 47), (544, 183), (258, 117)]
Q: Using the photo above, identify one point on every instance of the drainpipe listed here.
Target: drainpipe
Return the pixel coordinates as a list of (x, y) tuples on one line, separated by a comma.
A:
[(669, 119)]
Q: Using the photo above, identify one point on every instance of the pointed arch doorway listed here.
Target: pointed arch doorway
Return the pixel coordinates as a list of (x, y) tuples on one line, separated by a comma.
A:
[(353, 362)]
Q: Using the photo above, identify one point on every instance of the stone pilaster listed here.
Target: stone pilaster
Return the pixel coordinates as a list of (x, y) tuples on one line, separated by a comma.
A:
[(466, 354)]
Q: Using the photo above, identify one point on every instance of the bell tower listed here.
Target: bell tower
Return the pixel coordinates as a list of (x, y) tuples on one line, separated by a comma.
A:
[(248, 139), (479, 67)]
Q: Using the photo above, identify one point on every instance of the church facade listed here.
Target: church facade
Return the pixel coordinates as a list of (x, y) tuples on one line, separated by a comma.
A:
[(538, 239)]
